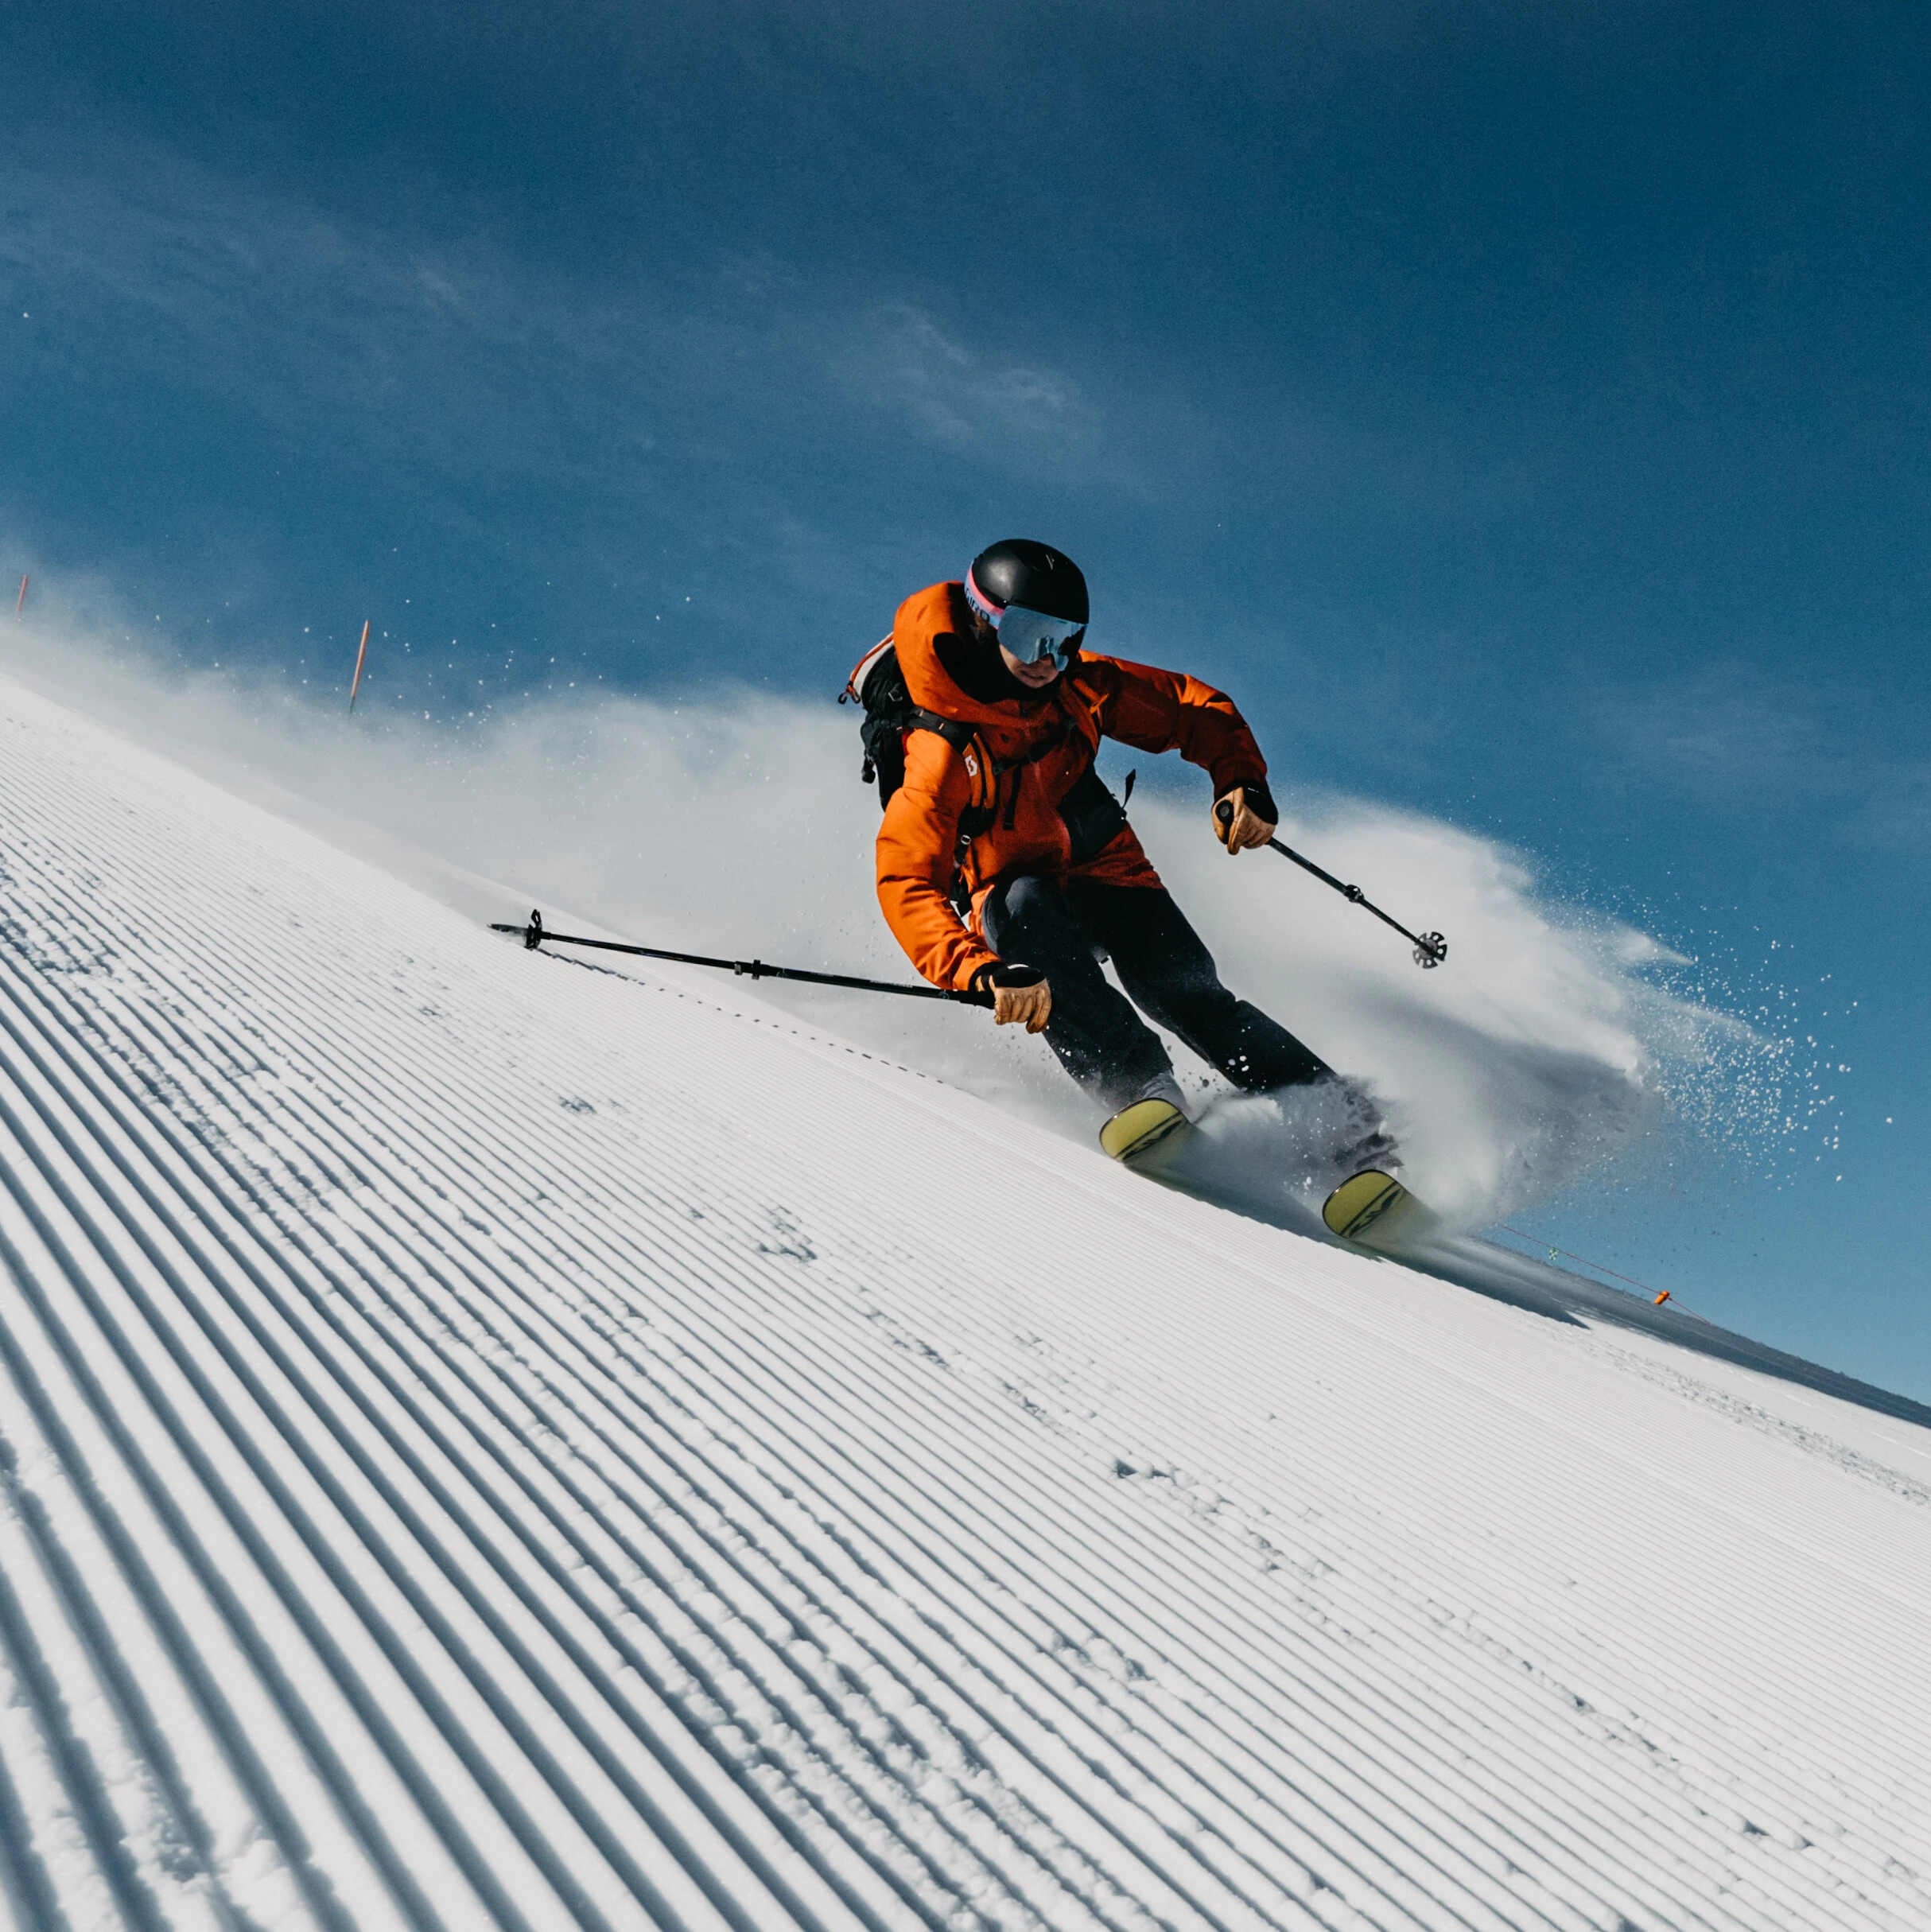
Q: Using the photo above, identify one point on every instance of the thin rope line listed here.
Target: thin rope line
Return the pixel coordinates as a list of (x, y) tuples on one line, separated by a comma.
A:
[(1665, 1295)]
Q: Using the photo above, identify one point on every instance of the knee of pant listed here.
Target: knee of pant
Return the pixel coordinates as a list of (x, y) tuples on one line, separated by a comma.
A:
[(1024, 906), (1202, 1005), (1272, 1056), (1029, 895)]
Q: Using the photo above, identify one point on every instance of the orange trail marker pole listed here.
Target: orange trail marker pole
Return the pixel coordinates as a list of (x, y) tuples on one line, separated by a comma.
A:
[(362, 650), (20, 603)]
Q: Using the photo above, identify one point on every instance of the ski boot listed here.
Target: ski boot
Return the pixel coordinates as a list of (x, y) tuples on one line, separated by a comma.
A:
[(1141, 1124)]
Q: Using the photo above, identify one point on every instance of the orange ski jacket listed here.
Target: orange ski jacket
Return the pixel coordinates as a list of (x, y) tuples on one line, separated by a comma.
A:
[(1025, 785)]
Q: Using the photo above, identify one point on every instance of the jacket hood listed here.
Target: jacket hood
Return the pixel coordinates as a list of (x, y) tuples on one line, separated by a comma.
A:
[(940, 610)]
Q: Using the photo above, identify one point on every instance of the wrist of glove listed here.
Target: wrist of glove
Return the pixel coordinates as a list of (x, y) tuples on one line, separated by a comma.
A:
[(1260, 800), (1020, 994), (1004, 973), (1244, 816)]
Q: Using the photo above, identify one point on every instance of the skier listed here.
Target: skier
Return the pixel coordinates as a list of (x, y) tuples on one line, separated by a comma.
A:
[(1005, 865)]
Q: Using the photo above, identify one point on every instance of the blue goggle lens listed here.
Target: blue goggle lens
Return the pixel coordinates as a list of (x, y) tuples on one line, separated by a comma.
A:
[(1031, 636)]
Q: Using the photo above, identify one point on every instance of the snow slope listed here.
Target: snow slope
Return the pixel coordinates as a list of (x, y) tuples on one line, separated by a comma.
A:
[(486, 1440)]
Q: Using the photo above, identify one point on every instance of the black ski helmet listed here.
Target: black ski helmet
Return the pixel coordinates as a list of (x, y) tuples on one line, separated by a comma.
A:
[(1034, 576)]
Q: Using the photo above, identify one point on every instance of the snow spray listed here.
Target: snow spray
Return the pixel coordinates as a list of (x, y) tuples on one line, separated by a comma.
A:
[(1553, 1054)]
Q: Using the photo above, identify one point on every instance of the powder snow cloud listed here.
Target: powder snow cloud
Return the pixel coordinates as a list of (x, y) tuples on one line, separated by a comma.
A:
[(1547, 1053)]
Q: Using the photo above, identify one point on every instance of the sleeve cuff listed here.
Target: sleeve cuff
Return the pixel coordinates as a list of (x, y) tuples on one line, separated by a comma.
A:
[(1260, 800)]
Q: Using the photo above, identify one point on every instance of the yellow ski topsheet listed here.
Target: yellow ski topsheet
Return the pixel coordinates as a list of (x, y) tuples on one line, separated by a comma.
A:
[(1145, 1124), (1358, 1202)]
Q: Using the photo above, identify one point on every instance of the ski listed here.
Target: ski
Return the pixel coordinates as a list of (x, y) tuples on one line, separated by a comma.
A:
[(1371, 1209), (1137, 1129)]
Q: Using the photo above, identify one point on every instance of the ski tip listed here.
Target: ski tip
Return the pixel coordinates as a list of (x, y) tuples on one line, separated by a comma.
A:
[(1133, 1130), (1360, 1201)]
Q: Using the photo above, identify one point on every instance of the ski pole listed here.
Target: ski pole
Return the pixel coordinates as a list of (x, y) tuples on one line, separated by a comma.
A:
[(1431, 948), (536, 932)]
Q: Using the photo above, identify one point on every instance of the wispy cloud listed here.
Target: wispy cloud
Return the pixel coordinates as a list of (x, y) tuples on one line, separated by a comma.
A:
[(721, 405), (1834, 753), (1896, 816), (967, 400), (372, 314), (1724, 730)]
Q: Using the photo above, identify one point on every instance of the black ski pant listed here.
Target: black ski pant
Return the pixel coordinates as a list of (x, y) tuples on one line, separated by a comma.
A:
[(1067, 930)]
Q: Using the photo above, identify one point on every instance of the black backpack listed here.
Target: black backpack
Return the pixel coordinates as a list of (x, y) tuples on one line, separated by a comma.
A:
[(879, 685)]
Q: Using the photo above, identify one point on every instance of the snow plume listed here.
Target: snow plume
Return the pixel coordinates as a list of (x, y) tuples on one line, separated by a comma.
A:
[(1547, 1053), (1543, 1051)]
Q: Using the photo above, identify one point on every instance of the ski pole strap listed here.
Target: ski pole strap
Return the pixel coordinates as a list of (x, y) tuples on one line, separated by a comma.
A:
[(1431, 948), (536, 932)]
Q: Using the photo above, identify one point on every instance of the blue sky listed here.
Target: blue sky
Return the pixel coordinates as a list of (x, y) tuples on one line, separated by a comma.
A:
[(1524, 410)]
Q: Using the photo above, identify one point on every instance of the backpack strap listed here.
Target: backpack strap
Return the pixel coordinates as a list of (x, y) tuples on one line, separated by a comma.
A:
[(879, 685)]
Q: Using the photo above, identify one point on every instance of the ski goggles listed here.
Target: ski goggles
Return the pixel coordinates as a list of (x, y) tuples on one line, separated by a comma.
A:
[(1031, 635)]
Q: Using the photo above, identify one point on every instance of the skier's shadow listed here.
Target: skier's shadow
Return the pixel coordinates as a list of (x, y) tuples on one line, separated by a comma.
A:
[(1479, 1265), (1254, 1189)]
